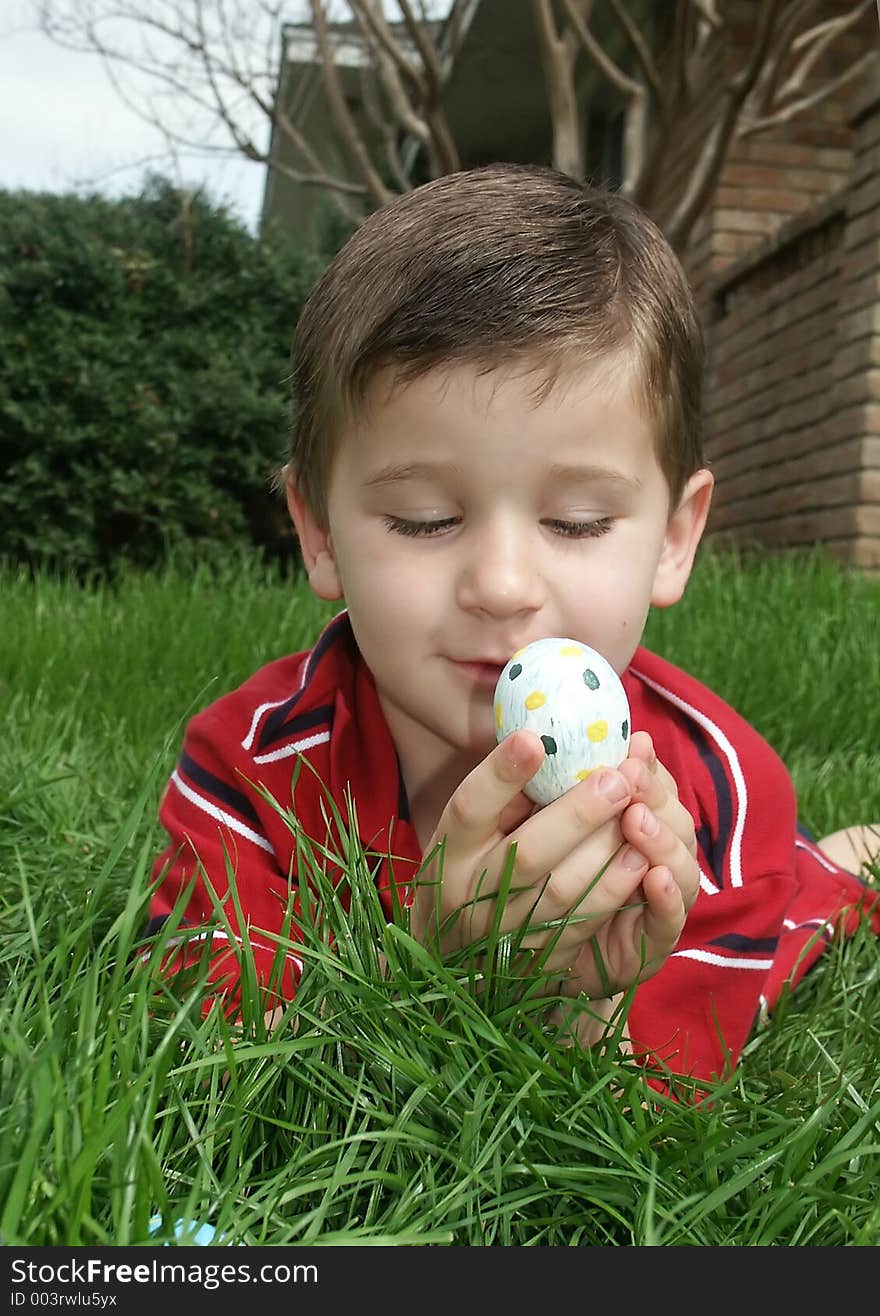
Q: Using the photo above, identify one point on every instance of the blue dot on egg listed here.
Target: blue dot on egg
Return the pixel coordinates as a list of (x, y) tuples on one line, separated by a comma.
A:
[(515, 671), (549, 744), (591, 679), (624, 729)]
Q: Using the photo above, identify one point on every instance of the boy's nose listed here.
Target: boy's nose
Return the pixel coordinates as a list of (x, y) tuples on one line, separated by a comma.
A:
[(500, 576)]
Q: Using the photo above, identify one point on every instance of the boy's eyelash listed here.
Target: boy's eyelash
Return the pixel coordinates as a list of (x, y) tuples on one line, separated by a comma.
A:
[(401, 526), (568, 529), (582, 529)]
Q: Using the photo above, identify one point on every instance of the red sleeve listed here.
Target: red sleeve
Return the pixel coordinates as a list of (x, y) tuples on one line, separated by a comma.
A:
[(741, 950), (220, 834), (769, 901), (828, 902)]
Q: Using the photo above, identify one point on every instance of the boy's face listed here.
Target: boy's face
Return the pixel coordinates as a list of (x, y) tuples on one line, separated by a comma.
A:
[(465, 520)]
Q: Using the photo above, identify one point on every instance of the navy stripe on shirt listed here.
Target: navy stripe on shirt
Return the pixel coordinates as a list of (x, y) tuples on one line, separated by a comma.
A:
[(220, 790), (276, 726), (736, 941), (284, 730), (715, 849)]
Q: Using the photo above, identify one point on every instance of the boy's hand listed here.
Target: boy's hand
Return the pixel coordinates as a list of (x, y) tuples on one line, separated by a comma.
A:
[(634, 944), (622, 906)]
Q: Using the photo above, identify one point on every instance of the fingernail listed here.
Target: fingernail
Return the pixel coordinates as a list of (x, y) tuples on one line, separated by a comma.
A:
[(632, 859), (613, 786), (512, 755), (650, 825)]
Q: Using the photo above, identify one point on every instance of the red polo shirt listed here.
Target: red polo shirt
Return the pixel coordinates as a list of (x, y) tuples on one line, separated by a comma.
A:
[(769, 900)]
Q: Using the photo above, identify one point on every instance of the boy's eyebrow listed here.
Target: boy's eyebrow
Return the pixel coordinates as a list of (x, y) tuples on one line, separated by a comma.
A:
[(593, 475), (397, 472)]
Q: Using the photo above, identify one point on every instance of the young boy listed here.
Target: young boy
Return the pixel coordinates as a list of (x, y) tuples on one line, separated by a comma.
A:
[(496, 437)]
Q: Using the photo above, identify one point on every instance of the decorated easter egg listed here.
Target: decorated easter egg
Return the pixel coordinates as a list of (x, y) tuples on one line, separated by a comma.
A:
[(569, 695)]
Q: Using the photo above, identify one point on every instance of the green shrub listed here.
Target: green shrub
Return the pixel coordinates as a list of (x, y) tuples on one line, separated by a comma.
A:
[(143, 354)]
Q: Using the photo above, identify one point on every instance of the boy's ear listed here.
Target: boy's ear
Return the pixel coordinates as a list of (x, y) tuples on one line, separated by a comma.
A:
[(683, 534), (315, 544)]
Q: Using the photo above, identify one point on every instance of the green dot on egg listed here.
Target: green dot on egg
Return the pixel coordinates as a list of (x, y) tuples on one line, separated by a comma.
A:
[(549, 744), (591, 679), (515, 671)]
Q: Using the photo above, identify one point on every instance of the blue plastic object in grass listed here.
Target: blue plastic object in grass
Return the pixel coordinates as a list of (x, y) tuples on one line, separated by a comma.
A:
[(189, 1232)]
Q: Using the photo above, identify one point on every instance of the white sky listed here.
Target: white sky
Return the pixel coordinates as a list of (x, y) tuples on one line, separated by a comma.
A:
[(64, 128)]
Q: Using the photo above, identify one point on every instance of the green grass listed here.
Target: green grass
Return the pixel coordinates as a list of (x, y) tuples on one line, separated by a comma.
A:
[(398, 1108)]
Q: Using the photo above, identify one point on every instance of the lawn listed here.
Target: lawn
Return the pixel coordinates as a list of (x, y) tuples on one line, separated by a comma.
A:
[(393, 1109)]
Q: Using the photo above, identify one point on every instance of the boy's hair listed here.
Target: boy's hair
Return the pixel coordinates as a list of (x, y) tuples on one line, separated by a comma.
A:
[(490, 266)]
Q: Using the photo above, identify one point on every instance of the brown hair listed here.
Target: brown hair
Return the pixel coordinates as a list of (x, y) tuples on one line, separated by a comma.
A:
[(499, 263)]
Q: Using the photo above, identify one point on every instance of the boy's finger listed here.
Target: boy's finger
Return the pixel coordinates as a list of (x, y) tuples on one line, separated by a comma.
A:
[(656, 788), (549, 838), (641, 746), (661, 846), (665, 912), (596, 882), (474, 812)]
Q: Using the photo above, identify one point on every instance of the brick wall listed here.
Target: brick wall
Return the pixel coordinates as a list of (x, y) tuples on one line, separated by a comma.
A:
[(772, 175), (793, 386)]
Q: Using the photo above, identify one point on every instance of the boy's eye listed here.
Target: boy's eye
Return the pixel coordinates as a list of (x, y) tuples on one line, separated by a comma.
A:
[(401, 526), (581, 529)]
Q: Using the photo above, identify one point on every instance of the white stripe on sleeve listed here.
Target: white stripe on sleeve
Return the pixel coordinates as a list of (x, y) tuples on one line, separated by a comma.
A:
[(207, 806), (297, 747), (736, 771), (722, 961)]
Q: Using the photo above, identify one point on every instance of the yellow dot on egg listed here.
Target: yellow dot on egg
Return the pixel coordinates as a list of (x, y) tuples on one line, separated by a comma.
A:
[(498, 716), (517, 654), (536, 699), (597, 731), (584, 773), (571, 651)]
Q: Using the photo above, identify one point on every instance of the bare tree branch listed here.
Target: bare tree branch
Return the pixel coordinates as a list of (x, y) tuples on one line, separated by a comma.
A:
[(816, 42), (809, 102), (600, 58), (768, 18), (441, 137), (206, 74), (643, 56), (419, 34), (707, 12), (373, 20), (384, 129), (387, 70), (704, 176), (348, 130), (453, 30), (790, 23), (557, 59), (683, 31)]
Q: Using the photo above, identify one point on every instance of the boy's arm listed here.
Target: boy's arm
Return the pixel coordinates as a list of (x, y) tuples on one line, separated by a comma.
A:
[(769, 905), (853, 848), (217, 839)]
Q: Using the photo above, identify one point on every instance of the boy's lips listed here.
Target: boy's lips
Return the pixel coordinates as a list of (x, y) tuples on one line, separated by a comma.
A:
[(485, 671)]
